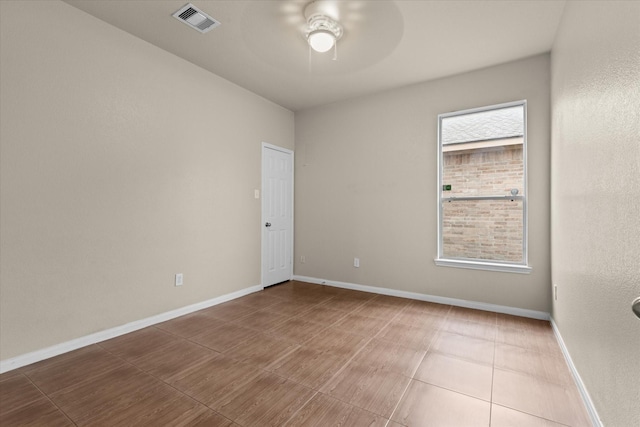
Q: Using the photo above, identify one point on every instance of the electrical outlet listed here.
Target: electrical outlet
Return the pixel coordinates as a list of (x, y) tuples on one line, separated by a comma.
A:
[(356, 262), (303, 259), (179, 279), (555, 292)]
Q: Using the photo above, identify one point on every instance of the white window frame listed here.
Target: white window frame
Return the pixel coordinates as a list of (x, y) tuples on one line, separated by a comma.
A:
[(477, 264)]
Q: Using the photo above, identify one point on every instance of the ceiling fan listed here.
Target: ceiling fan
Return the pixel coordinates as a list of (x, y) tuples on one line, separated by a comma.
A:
[(323, 26), (286, 33)]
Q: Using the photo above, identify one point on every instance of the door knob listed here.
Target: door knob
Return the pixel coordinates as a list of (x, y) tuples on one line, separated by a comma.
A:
[(635, 306), (268, 224)]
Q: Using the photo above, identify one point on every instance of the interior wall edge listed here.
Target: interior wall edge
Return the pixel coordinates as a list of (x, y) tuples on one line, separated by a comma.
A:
[(584, 393), (74, 344), (515, 311)]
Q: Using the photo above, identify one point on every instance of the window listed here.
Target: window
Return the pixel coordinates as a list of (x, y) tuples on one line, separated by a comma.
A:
[(482, 194)]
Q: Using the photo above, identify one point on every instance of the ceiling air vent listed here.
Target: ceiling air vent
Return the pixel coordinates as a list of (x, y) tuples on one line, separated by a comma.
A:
[(195, 18)]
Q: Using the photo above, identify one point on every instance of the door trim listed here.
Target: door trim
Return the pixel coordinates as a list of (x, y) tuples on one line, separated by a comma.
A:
[(266, 145)]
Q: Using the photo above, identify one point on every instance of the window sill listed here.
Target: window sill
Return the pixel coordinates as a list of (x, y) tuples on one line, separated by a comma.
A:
[(482, 265)]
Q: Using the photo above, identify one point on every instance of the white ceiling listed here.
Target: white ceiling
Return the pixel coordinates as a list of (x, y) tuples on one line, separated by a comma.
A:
[(386, 44)]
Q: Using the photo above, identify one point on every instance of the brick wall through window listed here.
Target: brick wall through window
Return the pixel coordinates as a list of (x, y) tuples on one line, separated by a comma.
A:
[(483, 229)]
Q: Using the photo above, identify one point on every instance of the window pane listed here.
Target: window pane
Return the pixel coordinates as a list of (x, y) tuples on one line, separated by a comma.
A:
[(482, 177), (495, 123), (483, 229), (477, 164)]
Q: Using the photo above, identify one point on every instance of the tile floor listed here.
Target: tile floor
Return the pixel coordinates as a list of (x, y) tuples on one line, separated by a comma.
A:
[(298, 354)]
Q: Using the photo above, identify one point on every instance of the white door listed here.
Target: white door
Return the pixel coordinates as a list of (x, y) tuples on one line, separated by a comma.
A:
[(277, 215)]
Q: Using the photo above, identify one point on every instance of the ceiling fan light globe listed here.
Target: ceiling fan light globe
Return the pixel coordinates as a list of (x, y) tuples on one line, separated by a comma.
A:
[(321, 40)]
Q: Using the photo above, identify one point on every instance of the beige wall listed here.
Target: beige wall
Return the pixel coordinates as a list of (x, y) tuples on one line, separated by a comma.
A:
[(596, 200), (121, 165), (366, 187)]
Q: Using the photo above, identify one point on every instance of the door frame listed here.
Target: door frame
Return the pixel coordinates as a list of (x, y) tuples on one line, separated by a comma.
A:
[(267, 146)]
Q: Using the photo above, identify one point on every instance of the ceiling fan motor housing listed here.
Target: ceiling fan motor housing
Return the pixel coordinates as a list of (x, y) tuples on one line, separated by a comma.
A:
[(322, 16)]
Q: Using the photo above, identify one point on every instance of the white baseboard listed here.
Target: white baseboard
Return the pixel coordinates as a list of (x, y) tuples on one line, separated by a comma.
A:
[(586, 398), (430, 298), (55, 350)]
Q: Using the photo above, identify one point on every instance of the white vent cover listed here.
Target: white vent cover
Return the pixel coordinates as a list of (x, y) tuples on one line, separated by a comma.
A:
[(195, 18)]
